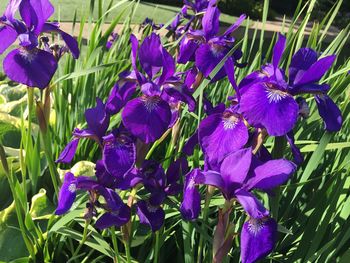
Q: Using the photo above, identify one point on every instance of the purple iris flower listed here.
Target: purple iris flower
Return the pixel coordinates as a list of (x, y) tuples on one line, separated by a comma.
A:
[(116, 212), (239, 173), (29, 64), (150, 22), (267, 99), (113, 38), (160, 185), (98, 121), (149, 116), (205, 47)]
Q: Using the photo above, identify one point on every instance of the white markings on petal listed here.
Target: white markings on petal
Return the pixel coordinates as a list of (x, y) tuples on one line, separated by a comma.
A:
[(72, 188), (255, 225), (28, 55), (229, 120), (151, 103), (275, 95), (151, 208)]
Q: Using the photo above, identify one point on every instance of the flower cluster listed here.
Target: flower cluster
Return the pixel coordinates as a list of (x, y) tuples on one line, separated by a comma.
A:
[(35, 62), (150, 97)]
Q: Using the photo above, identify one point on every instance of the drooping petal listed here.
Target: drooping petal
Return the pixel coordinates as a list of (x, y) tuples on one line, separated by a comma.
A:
[(278, 50), (191, 203), (153, 216), (70, 41), (181, 93), (271, 174), (315, 72), (34, 68), (119, 154), (176, 170), (119, 96), (97, 118), (272, 108), (191, 143), (251, 204), (104, 177), (68, 152), (234, 170), (147, 118), (297, 156), (8, 36), (258, 238), (116, 218), (187, 50), (329, 112), (208, 57), (301, 61), (221, 134), (67, 194), (210, 20), (35, 13)]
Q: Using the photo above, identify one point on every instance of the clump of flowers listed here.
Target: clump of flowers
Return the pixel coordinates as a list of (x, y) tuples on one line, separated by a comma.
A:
[(150, 98)]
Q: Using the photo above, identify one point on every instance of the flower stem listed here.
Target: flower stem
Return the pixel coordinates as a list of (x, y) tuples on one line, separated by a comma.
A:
[(156, 249), (115, 245), (83, 239), (127, 251)]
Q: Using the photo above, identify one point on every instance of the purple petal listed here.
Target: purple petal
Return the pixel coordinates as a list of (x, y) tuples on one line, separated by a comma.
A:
[(176, 170), (301, 61), (168, 66), (297, 156), (234, 170), (258, 239), (181, 93), (236, 25), (97, 118), (221, 134), (278, 50), (119, 155), (316, 71), (116, 218), (207, 58), (119, 96), (191, 143), (191, 203), (8, 36), (147, 118), (70, 41), (68, 152), (11, 9), (210, 20), (151, 55), (188, 47), (34, 68), (153, 216), (309, 88), (271, 174), (134, 54), (251, 204), (35, 13), (329, 112), (230, 71), (67, 194), (104, 177), (272, 108)]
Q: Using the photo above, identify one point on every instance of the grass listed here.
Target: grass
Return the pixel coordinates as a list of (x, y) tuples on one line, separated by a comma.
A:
[(312, 209)]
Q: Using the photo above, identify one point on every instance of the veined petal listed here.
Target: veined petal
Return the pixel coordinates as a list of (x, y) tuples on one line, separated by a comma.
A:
[(272, 108), (278, 50), (188, 48), (221, 134), (35, 13), (271, 174), (210, 20), (301, 61), (116, 218), (234, 170), (8, 36), (153, 216), (147, 118), (258, 238), (151, 55), (119, 155), (97, 118), (119, 96), (68, 152), (11, 9), (315, 72), (34, 68), (191, 203), (251, 204), (329, 112), (67, 194)]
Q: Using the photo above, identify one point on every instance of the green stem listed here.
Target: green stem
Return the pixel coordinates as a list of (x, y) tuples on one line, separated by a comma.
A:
[(127, 251), (83, 239), (156, 249), (208, 196), (30, 100), (115, 245), (22, 227)]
